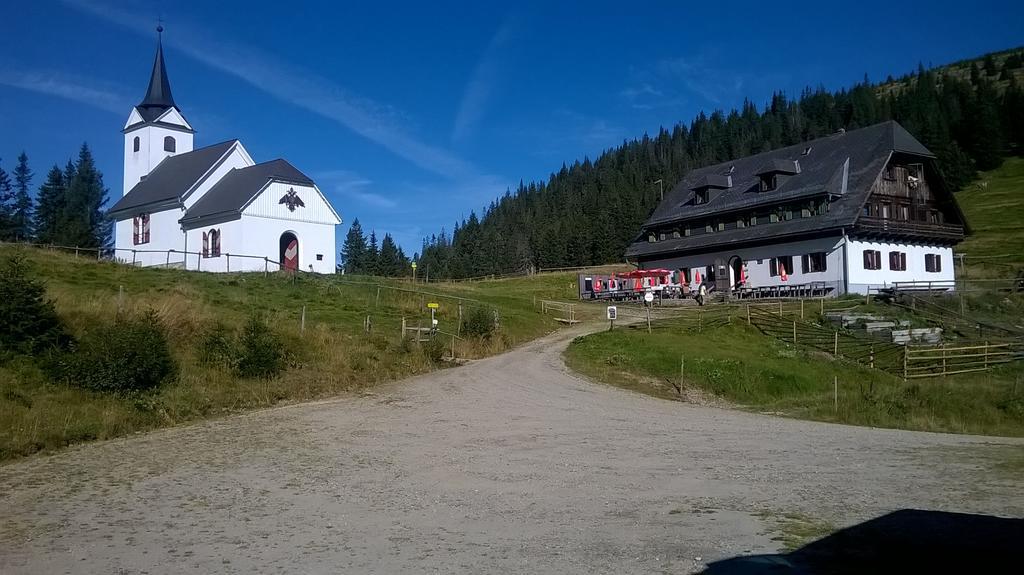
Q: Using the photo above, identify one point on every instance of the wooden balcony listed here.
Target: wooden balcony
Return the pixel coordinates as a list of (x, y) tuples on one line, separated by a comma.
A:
[(913, 229)]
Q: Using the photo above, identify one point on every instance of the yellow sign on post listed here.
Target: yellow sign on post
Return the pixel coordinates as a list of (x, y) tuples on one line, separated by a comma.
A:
[(433, 305)]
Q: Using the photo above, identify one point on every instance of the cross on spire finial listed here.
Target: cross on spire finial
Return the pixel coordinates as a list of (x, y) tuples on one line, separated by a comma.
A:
[(160, 25)]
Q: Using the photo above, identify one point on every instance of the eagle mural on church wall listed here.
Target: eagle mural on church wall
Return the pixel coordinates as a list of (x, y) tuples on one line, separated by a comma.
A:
[(292, 200)]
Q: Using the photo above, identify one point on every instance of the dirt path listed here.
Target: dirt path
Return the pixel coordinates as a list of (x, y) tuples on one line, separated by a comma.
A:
[(507, 464)]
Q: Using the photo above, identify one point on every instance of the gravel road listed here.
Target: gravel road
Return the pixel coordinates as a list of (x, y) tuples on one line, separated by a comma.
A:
[(509, 464)]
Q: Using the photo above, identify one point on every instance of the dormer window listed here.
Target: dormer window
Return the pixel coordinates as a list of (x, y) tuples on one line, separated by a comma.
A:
[(769, 182), (701, 196), (770, 171), (169, 144)]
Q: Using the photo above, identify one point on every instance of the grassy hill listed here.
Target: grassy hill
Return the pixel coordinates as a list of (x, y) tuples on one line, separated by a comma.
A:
[(740, 365), (994, 206), (333, 354)]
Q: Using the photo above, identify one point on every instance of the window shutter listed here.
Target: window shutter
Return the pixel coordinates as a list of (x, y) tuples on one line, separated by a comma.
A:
[(145, 228), (903, 261), (878, 260), (867, 259), (135, 230), (938, 262), (803, 263), (206, 245), (773, 267)]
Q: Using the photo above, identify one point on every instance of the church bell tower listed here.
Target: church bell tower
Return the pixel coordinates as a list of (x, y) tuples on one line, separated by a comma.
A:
[(156, 128)]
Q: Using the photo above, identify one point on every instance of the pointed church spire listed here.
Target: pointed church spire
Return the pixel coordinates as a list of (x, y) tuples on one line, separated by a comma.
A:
[(159, 93)]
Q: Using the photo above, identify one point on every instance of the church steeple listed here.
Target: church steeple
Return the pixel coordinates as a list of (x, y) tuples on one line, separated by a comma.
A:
[(159, 93)]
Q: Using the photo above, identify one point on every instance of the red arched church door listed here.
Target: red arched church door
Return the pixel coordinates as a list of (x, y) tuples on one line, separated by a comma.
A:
[(289, 251)]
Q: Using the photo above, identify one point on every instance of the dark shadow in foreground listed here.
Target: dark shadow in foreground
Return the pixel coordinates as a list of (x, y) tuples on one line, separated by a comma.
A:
[(906, 541)]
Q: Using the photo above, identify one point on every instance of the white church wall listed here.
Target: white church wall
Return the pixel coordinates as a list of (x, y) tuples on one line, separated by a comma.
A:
[(164, 234), (860, 279), (268, 204), (151, 151), (237, 158), (259, 236)]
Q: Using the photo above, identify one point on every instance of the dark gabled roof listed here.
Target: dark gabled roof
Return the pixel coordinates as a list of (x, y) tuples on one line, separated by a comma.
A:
[(158, 98), (169, 181), (713, 181), (779, 166), (239, 186), (842, 166)]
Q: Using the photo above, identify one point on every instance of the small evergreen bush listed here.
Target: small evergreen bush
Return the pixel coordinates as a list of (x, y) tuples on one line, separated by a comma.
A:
[(127, 355), (261, 352), (254, 352), (28, 321), (478, 322)]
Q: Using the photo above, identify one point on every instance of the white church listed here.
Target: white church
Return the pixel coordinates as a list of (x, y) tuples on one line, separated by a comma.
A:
[(213, 208)]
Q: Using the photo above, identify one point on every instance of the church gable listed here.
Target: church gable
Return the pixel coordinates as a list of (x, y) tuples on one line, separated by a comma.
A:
[(262, 190), (292, 201), (134, 118), (174, 117)]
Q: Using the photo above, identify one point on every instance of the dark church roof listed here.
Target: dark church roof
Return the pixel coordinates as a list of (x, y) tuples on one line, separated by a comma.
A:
[(158, 98), (227, 197), (171, 179), (842, 166)]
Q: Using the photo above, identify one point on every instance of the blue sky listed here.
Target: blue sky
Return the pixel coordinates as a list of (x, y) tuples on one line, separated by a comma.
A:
[(410, 115)]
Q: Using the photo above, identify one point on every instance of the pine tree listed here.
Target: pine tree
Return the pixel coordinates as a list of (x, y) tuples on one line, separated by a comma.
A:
[(372, 255), (21, 227), (389, 262), (6, 206), (354, 251), (49, 205), (82, 221)]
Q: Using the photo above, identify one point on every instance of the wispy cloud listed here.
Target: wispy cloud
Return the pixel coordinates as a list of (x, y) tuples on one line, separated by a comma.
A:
[(713, 83), (353, 186), (372, 120), (481, 85), (69, 87)]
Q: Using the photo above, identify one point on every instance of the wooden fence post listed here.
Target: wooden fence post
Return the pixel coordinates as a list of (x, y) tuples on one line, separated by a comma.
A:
[(266, 266), (872, 356), (943, 358), (302, 321), (780, 307), (700, 322), (835, 344), (822, 300), (835, 393), (453, 348), (133, 258), (801, 308), (459, 330), (986, 355), (748, 314), (906, 353), (403, 327), (167, 263), (377, 301), (229, 269), (682, 372)]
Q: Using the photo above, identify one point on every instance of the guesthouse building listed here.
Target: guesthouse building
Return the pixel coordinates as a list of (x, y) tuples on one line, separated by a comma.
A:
[(846, 213)]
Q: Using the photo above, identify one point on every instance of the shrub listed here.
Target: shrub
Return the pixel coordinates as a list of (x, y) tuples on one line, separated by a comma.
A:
[(478, 322), (256, 351), (218, 347), (260, 351), (28, 322), (434, 349), (127, 355)]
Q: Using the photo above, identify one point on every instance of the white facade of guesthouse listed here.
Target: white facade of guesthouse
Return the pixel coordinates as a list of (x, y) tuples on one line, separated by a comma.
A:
[(213, 208), (845, 267)]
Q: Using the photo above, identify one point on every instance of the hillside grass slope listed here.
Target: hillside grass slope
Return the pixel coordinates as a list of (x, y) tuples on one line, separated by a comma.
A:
[(744, 367), (332, 355)]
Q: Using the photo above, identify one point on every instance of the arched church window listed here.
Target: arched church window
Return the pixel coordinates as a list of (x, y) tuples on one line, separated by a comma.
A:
[(135, 144), (214, 236), (169, 145)]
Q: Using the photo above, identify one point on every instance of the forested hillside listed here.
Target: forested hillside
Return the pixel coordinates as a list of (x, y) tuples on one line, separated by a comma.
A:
[(970, 114)]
